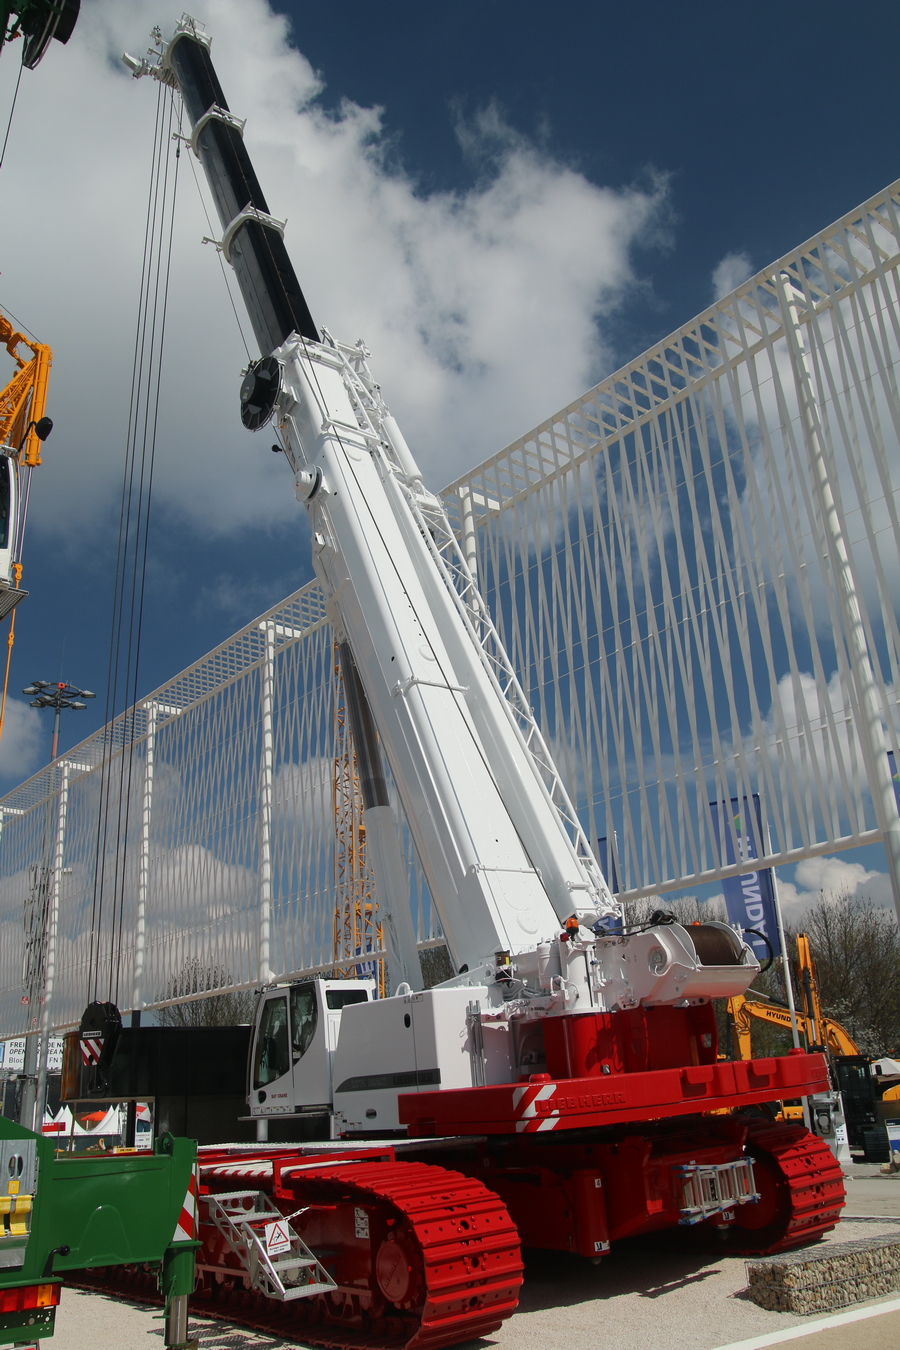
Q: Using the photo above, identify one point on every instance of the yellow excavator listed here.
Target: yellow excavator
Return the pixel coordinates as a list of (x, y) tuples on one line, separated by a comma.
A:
[(851, 1069), (820, 1032)]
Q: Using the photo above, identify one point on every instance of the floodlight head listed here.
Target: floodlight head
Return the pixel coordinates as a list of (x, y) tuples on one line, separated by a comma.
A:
[(74, 705), (35, 703), (86, 693), (31, 689)]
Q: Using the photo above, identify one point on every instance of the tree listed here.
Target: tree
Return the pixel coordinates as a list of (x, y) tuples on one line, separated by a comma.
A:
[(216, 1010), (856, 950)]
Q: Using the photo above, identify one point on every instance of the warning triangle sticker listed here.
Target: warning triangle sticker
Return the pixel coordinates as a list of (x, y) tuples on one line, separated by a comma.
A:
[(277, 1238)]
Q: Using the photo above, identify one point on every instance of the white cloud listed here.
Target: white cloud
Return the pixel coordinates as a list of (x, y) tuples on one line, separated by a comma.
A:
[(481, 306), (23, 745), (830, 876), (729, 273), (833, 876)]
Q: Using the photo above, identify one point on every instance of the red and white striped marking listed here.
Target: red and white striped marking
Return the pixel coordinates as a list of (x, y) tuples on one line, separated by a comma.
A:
[(257, 1171), (528, 1115), (91, 1047), (185, 1228)]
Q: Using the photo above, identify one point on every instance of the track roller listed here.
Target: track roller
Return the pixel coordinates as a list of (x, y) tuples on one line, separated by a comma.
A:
[(801, 1189)]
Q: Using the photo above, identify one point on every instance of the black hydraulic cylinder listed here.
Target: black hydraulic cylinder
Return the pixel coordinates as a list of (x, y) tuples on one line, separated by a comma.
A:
[(265, 274)]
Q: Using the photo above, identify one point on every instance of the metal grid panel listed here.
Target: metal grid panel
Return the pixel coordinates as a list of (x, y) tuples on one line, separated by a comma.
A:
[(657, 563), (654, 558), (221, 843)]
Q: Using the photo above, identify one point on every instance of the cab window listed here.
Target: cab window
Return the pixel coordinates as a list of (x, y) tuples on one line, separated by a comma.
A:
[(304, 1015), (4, 501), (339, 998), (271, 1059)]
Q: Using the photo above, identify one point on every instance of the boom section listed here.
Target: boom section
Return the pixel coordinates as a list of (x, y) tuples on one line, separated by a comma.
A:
[(504, 856)]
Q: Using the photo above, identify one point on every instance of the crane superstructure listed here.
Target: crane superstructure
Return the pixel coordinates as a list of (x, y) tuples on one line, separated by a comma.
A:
[(567, 1074)]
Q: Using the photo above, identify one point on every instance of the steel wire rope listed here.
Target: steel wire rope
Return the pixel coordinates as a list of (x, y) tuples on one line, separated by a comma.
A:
[(12, 110), (148, 461), (118, 584), (132, 547)]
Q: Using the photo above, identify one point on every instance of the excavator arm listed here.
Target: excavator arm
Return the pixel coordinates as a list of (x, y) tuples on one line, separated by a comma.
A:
[(743, 1011)]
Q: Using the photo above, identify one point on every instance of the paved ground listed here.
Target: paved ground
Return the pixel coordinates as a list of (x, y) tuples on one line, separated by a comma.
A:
[(637, 1299)]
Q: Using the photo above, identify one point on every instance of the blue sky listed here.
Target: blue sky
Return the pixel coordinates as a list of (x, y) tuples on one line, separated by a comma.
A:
[(544, 192)]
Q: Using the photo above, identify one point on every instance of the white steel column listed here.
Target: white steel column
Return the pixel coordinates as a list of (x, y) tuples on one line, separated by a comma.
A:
[(153, 711), (56, 875), (468, 539), (871, 726), (143, 887), (266, 792)]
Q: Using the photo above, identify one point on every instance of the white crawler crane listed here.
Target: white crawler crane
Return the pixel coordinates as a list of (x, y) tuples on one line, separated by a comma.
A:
[(567, 1077)]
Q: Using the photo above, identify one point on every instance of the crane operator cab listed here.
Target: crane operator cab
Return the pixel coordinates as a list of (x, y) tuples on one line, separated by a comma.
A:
[(294, 1042), (8, 513)]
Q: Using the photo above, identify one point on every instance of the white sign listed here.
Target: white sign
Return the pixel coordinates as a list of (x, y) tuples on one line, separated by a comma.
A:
[(277, 1240), (12, 1055)]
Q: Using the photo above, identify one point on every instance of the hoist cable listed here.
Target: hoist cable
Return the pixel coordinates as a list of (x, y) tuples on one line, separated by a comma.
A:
[(10, 119), (112, 664), (145, 498), (131, 561)]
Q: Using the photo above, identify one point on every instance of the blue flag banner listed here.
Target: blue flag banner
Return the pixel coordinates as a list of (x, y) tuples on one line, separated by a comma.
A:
[(896, 777), (750, 897)]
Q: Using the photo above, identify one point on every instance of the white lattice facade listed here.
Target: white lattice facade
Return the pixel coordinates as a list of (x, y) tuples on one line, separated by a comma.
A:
[(660, 561)]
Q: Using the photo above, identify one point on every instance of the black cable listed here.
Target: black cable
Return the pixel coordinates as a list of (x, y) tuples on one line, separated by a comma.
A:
[(112, 676), (756, 933), (11, 111), (132, 549), (19, 324), (145, 496)]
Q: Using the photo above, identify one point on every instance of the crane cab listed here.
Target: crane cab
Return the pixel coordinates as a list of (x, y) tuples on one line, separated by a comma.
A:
[(8, 484), (293, 1045), (10, 594)]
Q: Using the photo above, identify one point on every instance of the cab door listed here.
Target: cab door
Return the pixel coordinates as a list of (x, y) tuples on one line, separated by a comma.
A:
[(270, 1069)]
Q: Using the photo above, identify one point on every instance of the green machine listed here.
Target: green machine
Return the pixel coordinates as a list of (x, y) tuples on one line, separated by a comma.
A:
[(62, 1212)]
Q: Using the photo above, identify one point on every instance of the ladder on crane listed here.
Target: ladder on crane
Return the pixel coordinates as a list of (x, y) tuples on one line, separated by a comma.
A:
[(276, 1260)]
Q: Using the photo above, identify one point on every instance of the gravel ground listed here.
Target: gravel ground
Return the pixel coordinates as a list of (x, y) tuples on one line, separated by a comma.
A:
[(637, 1299)]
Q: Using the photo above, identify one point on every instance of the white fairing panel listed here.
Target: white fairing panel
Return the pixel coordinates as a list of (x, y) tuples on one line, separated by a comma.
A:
[(412, 1043)]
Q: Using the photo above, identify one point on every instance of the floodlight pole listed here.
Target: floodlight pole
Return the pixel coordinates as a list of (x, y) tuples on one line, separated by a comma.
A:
[(54, 742), (56, 696), (870, 726)]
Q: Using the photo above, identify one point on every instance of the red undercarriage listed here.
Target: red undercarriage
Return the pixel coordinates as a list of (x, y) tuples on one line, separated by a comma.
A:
[(427, 1256)]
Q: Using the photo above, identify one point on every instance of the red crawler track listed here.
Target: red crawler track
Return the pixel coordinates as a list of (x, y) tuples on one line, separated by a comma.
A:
[(441, 1263), (801, 1188)]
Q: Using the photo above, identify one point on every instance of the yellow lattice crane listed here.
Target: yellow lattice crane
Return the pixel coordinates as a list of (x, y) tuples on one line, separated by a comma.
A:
[(357, 930), (23, 427)]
